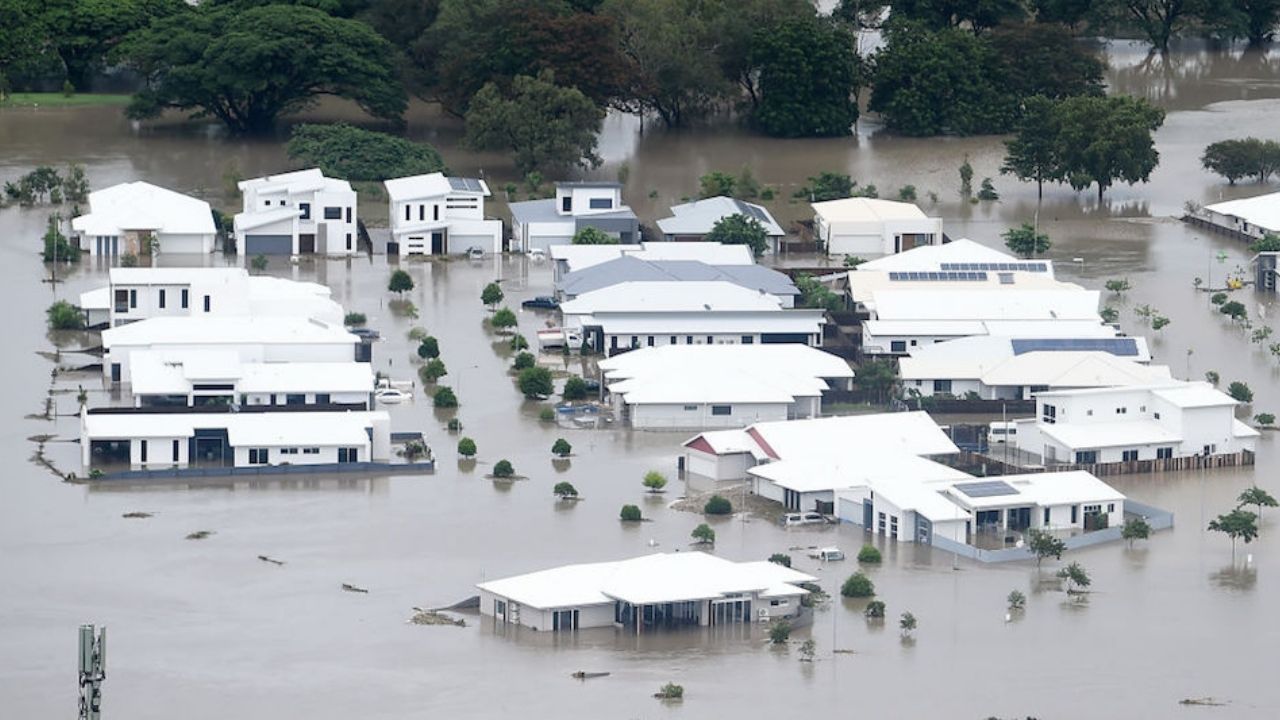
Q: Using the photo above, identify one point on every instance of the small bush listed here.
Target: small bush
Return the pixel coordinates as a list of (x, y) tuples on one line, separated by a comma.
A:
[(1212, 377), (858, 586), (561, 448), (62, 315), (432, 371), (1017, 600), (630, 513), (503, 469), (671, 691), (782, 559), (718, 505), (535, 382), (546, 414), (467, 447), (875, 610), (575, 388), (565, 490), (518, 343), (1218, 298), (703, 533), (429, 348), (444, 398), (654, 481), (259, 262), (1265, 419), (523, 360), (780, 632), (1240, 392), (492, 294), (418, 334), (354, 319), (869, 554), (503, 319), (454, 425), (400, 282)]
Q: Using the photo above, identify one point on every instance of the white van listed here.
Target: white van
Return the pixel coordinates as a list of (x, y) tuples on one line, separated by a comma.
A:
[(1002, 432)]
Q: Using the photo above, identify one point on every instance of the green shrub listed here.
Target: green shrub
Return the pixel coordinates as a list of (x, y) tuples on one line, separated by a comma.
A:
[(62, 315), (492, 294), (718, 505), (779, 632), (503, 319), (671, 691), (565, 490), (432, 371), (467, 447), (703, 533), (858, 586), (523, 360), (503, 469), (454, 425), (630, 513), (1240, 392), (354, 319), (400, 282), (654, 481), (535, 382), (348, 152), (782, 559), (444, 398), (56, 244), (575, 388), (429, 348), (418, 334), (518, 343), (561, 447), (869, 554), (259, 262), (875, 610), (547, 414)]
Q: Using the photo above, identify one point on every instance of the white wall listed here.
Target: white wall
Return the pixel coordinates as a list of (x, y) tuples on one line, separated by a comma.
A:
[(959, 388), (883, 344), (730, 466), (308, 352), (663, 416), (624, 341), (582, 197), (159, 453), (185, 243)]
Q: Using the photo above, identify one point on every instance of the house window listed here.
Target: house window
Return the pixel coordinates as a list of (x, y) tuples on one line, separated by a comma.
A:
[(566, 204), (1111, 507), (1210, 449), (348, 241), (1075, 513), (1164, 453), (635, 341), (348, 214), (880, 524), (1156, 415), (1142, 408), (942, 386), (161, 299), (748, 339), (1086, 457), (893, 527), (122, 301), (288, 451), (600, 203), (709, 340), (186, 298), (649, 341), (133, 299), (898, 346), (1049, 415), (1046, 516), (1129, 455), (295, 399), (348, 455), (435, 212), (688, 339), (306, 210), (721, 409), (333, 213), (1088, 413), (310, 451), (142, 450), (1121, 411), (322, 398), (257, 456), (913, 343), (690, 408), (176, 447), (407, 210), (673, 339), (207, 303)]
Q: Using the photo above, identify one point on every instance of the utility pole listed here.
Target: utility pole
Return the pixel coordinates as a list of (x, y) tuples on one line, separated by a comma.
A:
[(93, 670)]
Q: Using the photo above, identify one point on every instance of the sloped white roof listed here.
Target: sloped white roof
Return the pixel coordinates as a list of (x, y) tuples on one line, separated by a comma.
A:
[(649, 579), (174, 372), (1260, 210), (224, 330), (700, 216), (861, 209), (972, 357), (1109, 434), (257, 218), (431, 185), (702, 322), (913, 433), (931, 257), (143, 206), (266, 429), (1042, 489), (1073, 370), (578, 257), (1193, 395), (864, 284), (294, 182), (175, 275), (970, 305), (97, 299), (816, 475), (670, 296), (727, 442)]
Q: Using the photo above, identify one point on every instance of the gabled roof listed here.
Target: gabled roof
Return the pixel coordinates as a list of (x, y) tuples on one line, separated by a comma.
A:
[(294, 183), (700, 216), (629, 268), (578, 257), (973, 357), (931, 257), (143, 206), (670, 296), (1260, 210), (1073, 370), (861, 209), (913, 433), (974, 305), (818, 475), (433, 185)]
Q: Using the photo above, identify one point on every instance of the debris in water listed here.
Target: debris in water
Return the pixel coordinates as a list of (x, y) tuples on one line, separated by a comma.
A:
[(1208, 701), (842, 651), (434, 617), (352, 588), (137, 514), (584, 675), (199, 534), (271, 560)]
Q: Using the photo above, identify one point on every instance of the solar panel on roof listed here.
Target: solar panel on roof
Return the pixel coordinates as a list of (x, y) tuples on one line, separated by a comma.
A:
[(1120, 347), (986, 488), (465, 184), (753, 211), (1005, 267)]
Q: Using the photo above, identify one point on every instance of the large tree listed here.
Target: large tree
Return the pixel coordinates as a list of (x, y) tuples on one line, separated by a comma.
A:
[(247, 68), (740, 230), (1254, 20), (1235, 159), (1046, 60), (544, 125), (353, 153), (1033, 153), (1067, 12), (808, 79), (1107, 139), (25, 53), (1159, 20), (977, 15), (736, 38), (83, 32)]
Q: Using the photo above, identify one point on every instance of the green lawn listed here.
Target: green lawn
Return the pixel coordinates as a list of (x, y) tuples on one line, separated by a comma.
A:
[(60, 100)]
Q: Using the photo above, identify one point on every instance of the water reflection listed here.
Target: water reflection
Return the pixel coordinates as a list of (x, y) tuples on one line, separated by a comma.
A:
[(1239, 578)]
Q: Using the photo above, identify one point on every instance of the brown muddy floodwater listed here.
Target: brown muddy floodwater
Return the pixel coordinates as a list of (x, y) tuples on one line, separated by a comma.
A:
[(202, 629)]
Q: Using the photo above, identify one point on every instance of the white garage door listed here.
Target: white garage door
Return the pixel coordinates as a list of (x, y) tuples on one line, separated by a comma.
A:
[(701, 464), (850, 244)]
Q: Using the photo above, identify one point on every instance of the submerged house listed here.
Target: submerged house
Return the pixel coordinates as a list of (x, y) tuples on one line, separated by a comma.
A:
[(1251, 218), (435, 214), (870, 226), (692, 221), (541, 224), (571, 258), (203, 378), (629, 268), (297, 213), (138, 218), (646, 593)]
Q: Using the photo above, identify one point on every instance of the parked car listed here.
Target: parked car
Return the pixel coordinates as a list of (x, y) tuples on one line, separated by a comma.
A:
[(475, 252), (391, 396), (826, 554), (593, 385), (542, 302), (538, 255), (804, 518)]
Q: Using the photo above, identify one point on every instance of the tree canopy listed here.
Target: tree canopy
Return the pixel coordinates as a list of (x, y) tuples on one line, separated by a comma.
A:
[(1033, 153), (544, 125), (1102, 140), (352, 153), (1249, 157), (739, 229), (1025, 241), (593, 236), (246, 68), (808, 78)]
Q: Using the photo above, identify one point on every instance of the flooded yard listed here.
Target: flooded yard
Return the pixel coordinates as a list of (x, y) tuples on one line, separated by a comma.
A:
[(206, 629)]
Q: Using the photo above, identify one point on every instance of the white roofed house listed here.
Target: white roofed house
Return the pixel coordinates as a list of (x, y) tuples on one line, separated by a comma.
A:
[(683, 386), (692, 221), (869, 226), (572, 258), (542, 224), (297, 213), (1157, 421), (435, 214), (1252, 218), (138, 218), (646, 593), (140, 293), (629, 268), (219, 377)]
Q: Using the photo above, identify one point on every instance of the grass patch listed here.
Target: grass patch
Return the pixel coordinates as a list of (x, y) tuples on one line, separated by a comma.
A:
[(55, 99)]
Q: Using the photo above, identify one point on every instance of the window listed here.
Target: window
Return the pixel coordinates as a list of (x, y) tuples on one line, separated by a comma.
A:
[(160, 300), (1046, 516), (688, 339), (690, 408), (649, 341), (435, 212), (349, 215), (673, 339), (1075, 514), (133, 299), (322, 399), (748, 339), (913, 343), (721, 409), (1210, 449), (306, 210), (942, 386), (1111, 507), (288, 451), (1164, 453), (600, 203), (880, 524), (122, 301), (566, 204), (708, 339), (186, 297), (310, 451), (348, 455), (893, 527), (348, 241), (1089, 413), (207, 301), (333, 213), (407, 210), (177, 445), (142, 450), (1086, 457), (295, 399), (1129, 455), (1156, 415), (257, 456), (1049, 415), (778, 603), (1142, 408), (1121, 411), (898, 346)]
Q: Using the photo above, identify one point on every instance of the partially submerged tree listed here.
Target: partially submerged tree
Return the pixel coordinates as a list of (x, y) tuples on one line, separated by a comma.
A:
[(575, 388), (1044, 545), (492, 295), (907, 624), (1135, 528), (1104, 140), (858, 585), (874, 610), (1240, 392), (444, 398), (543, 125), (1017, 600), (503, 469), (433, 370), (561, 448), (1256, 496), (779, 631), (401, 282), (1237, 525), (718, 505), (1076, 576), (808, 78), (352, 153), (739, 229), (503, 319), (654, 481), (869, 554), (467, 447), (535, 382), (704, 534), (1236, 159), (62, 315), (565, 491), (782, 559), (1025, 241), (630, 513), (429, 348)]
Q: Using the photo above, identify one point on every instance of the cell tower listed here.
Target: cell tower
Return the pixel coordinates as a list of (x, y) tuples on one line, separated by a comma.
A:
[(93, 670)]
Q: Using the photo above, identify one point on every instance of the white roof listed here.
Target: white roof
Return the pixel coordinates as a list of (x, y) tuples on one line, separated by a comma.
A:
[(824, 474), (265, 429), (864, 284), (223, 330), (98, 299), (177, 276), (931, 257), (578, 257), (1109, 434), (727, 442), (1042, 489), (164, 373), (700, 216), (143, 206), (1073, 370), (649, 579), (701, 323), (432, 185), (680, 374), (972, 357), (1260, 210), (673, 296), (1180, 393), (913, 433), (860, 209), (970, 305), (294, 183), (924, 498), (257, 218)]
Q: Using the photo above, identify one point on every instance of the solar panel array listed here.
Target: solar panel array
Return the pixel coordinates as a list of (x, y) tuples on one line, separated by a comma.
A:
[(986, 488), (1003, 266), (939, 276), (753, 211), (465, 184), (1120, 347)]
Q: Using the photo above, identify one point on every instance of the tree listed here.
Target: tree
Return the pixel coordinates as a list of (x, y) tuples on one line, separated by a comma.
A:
[(83, 32), (717, 505), (1106, 139), (535, 382), (1135, 528), (352, 153), (1234, 309), (1218, 298), (1212, 377), (1043, 545), (1254, 20), (433, 371), (444, 398), (503, 319), (75, 186), (1067, 12), (429, 348), (1159, 20), (62, 315), (523, 361), (808, 72), (966, 177), (593, 236), (1235, 159), (1237, 525), (1270, 242), (860, 14), (739, 229), (503, 469), (1047, 60), (808, 649), (1016, 600), (1160, 322), (1033, 153), (934, 83), (1025, 241), (518, 343), (467, 447), (782, 559), (827, 186), (1075, 576), (654, 481), (907, 624), (492, 295), (400, 283), (56, 246), (813, 294), (1109, 315), (780, 630), (1256, 496), (354, 319), (717, 184), (874, 610), (704, 534), (869, 554), (561, 448), (544, 125), (977, 15), (565, 491), (630, 513), (575, 388), (248, 67), (877, 378), (858, 586), (1265, 419)]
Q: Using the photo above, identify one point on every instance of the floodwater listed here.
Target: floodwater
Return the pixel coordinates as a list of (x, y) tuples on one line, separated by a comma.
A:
[(202, 629)]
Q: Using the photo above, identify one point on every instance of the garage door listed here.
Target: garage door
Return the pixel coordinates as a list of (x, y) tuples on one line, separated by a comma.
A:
[(700, 464), (463, 243), (544, 242), (850, 244), (268, 245)]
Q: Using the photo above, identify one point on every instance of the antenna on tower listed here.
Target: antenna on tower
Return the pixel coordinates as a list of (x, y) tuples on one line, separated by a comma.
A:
[(93, 670)]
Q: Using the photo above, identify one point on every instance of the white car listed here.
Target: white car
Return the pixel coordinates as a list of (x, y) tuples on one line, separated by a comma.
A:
[(475, 252), (391, 396), (826, 554), (805, 518)]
